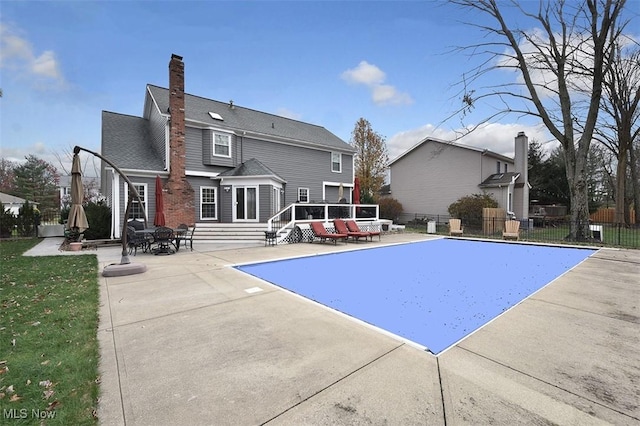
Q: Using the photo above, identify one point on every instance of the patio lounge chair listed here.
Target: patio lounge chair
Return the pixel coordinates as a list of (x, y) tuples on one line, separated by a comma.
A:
[(186, 235), (511, 230), (341, 227), (352, 226), (319, 231), (455, 227)]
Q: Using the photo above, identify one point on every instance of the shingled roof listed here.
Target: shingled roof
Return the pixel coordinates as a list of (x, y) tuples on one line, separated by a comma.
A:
[(238, 118), (499, 179), (126, 142), (251, 167)]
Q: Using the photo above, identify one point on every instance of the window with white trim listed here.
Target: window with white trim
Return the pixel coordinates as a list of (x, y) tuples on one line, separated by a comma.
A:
[(221, 145), (303, 195), (137, 210), (336, 162), (208, 198)]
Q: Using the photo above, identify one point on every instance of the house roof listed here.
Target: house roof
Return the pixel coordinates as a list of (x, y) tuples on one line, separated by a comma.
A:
[(458, 145), (499, 179), (126, 142), (12, 199), (242, 119), (251, 167)]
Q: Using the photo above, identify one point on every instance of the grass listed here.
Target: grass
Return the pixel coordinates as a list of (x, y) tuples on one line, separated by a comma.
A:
[(48, 343)]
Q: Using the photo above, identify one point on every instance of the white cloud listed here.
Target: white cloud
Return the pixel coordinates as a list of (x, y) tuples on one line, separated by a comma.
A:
[(17, 54), (365, 73), (373, 77), (495, 137)]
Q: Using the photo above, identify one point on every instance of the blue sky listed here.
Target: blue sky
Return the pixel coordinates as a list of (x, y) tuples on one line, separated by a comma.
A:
[(327, 63)]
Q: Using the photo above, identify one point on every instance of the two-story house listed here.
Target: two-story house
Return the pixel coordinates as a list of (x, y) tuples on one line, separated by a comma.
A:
[(433, 174), (219, 162)]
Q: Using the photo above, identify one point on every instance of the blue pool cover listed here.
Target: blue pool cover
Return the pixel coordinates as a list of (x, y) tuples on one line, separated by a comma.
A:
[(433, 293)]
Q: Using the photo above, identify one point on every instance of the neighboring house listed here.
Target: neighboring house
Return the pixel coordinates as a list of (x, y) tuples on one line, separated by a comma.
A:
[(13, 203), (91, 188), (219, 162), (433, 174)]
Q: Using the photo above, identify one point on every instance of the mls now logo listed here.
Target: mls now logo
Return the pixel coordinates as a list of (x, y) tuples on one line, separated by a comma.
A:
[(14, 413), (23, 413)]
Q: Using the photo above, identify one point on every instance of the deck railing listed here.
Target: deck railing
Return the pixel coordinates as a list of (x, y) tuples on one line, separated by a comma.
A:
[(301, 212)]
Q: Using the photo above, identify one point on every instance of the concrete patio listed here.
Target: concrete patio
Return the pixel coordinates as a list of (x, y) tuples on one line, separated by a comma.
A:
[(185, 343)]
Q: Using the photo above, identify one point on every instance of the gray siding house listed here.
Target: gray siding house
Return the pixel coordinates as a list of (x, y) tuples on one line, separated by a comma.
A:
[(433, 174), (218, 162)]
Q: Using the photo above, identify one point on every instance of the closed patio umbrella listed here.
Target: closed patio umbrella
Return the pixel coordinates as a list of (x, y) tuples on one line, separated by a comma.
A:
[(158, 219), (77, 217), (356, 191), (340, 192)]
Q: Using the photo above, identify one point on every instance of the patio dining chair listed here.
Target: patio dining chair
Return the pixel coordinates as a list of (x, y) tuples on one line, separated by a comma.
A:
[(163, 237), (136, 241), (185, 235)]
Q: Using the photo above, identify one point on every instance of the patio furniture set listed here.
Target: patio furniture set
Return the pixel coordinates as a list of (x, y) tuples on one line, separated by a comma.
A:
[(344, 230), (160, 240)]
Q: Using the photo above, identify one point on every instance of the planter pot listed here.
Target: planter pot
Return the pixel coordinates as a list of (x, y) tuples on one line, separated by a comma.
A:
[(75, 246)]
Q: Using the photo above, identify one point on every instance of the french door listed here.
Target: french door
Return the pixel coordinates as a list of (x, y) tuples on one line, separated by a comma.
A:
[(246, 204)]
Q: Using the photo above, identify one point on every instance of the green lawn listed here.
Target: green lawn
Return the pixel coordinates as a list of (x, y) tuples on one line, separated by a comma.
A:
[(48, 344)]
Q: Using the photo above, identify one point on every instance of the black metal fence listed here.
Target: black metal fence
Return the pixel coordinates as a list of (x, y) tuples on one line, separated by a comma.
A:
[(555, 230)]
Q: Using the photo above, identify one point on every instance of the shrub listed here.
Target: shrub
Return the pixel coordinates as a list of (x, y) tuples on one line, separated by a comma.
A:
[(99, 218), (26, 220), (469, 208), (7, 223), (390, 208)]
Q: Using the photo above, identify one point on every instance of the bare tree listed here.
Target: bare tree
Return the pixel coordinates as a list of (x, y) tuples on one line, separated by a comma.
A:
[(618, 122), (371, 159), (569, 53)]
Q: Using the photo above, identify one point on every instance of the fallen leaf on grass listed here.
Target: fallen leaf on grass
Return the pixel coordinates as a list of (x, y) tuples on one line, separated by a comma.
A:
[(45, 362), (2, 395), (45, 383), (9, 389), (47, 394), (15, 398), (53, 405)]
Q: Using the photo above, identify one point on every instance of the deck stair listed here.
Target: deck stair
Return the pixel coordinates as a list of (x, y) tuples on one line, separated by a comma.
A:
[(230, 232)]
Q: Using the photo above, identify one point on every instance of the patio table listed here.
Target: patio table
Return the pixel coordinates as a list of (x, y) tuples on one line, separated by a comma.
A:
[(177, 233)]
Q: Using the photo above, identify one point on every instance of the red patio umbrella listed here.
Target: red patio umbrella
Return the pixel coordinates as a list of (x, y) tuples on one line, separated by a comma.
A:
[(355, 199), (158, 220)]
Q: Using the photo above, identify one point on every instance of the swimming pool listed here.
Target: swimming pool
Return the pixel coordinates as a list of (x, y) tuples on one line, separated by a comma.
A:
[(433, 293)]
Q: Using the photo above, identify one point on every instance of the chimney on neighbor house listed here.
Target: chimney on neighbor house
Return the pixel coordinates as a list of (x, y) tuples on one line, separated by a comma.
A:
[(521, 164), (179, 203)]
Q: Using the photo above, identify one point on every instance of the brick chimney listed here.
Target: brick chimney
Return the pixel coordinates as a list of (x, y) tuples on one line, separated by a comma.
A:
[(179, 201)]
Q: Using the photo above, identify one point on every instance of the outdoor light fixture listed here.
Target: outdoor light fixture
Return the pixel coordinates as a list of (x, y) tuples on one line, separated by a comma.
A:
[(227, 188)]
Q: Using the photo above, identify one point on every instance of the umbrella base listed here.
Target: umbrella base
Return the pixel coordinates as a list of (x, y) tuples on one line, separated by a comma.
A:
[(119, 270)]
